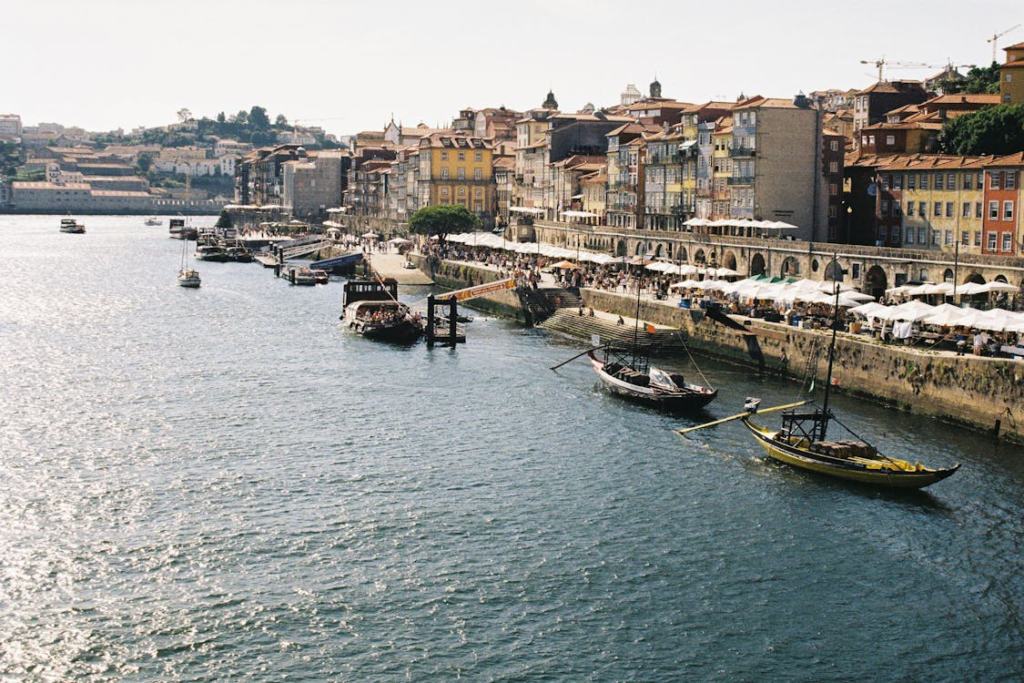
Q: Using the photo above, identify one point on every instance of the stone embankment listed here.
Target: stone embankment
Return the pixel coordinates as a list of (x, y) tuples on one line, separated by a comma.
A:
[(982, 393)]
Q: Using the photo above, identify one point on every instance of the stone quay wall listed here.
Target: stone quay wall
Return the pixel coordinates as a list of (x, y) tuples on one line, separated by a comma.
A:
[(981, 393)]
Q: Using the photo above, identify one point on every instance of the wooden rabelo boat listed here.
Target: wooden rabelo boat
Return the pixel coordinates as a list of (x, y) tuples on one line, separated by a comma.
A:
[(802, 441), (373, 310), (628, 373)]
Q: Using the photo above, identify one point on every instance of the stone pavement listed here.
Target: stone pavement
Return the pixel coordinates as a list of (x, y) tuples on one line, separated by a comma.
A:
[(390, 265)]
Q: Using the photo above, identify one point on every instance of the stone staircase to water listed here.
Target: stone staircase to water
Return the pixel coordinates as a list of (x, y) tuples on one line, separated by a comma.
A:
[(569, 321)]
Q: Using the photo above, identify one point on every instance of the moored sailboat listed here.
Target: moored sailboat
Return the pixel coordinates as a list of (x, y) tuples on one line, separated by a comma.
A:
[(629, 374), (187, 277)]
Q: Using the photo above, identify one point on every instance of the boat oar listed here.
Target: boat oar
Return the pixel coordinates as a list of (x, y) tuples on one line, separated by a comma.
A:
[(684, 432), (555, 367)]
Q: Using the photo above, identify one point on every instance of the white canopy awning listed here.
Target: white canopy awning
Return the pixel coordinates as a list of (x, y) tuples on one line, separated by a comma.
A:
[(525, 209), (579, 214)]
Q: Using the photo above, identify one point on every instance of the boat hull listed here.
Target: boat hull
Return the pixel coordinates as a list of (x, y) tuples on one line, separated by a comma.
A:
[(873, 474), (690, 399)]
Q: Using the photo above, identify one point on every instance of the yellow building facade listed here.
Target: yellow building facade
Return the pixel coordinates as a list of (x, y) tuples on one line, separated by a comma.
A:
[(457, 169)]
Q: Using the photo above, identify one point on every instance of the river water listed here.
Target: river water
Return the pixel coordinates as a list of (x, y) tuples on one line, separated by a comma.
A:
[(218, 484)]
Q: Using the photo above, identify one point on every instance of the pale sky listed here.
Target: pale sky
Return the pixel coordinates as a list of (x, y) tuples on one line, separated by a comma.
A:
[(348, 65)]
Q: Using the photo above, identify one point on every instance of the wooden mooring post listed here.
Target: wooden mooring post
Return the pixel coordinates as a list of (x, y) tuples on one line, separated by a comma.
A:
[(452, 338)]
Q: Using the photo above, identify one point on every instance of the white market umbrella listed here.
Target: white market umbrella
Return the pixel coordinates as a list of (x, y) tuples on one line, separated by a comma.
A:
[(997, 286), (945, 315)]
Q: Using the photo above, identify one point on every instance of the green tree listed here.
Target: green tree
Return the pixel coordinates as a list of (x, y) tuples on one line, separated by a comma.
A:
[(994, 130), (241, 118), (145, 162), (980, 79), (281, 121), (184, 114), (221, 118), (258, 118), (443, 220), (224, 220)]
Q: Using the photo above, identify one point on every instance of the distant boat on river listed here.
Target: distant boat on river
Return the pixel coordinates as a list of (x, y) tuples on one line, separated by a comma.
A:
[(71, 226)]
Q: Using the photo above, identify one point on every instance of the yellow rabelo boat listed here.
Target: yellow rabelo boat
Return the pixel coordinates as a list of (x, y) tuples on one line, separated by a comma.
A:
[(802, 441)]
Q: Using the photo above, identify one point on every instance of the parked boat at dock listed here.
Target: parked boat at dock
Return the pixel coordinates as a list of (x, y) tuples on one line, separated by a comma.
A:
[(153, 221), (373, 310), (72, 226), (179, 231), (212, 252)]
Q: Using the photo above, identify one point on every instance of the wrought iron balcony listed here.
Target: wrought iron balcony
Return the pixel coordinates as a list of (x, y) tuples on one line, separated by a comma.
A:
[(742, 152)]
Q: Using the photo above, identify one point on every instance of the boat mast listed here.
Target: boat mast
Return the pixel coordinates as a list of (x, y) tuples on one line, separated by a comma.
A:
[(835, 277), (636, 322)]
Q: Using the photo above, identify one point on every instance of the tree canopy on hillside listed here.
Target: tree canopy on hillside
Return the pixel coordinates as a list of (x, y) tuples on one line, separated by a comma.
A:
[(994, 130), (442, 220), (980, 79)]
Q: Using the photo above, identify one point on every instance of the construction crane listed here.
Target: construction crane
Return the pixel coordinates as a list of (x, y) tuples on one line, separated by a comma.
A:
[(915, 65), (996, 36), (880, 64)]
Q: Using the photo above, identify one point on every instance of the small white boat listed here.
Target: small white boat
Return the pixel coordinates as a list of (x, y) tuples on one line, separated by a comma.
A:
[(189, 278), (153, 221)]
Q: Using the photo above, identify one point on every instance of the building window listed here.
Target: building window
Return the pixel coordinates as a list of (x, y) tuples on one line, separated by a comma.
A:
[(922, 235), (478, 156), (833, 189), (993, 210), (461, 173), (910, 208), (871, 139), (462, 192), (936, 236), (924, 181), (478, 174), (885, 207), (991, 241), (912, 181), (1011, 180), (833, 167), (950, 181), (922, 209), (834, 145), (977, 239), (462, 156), (444, 191), (965, 238), (968, 181), (444, 174), (910, 235), (890, 140), (1007, 241), (995, 179), (477, 192), (937, 209), (897, 181), (444, 156), (947, 238), (977, 209), (966, 213), (1008, 210), (949, 209)]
